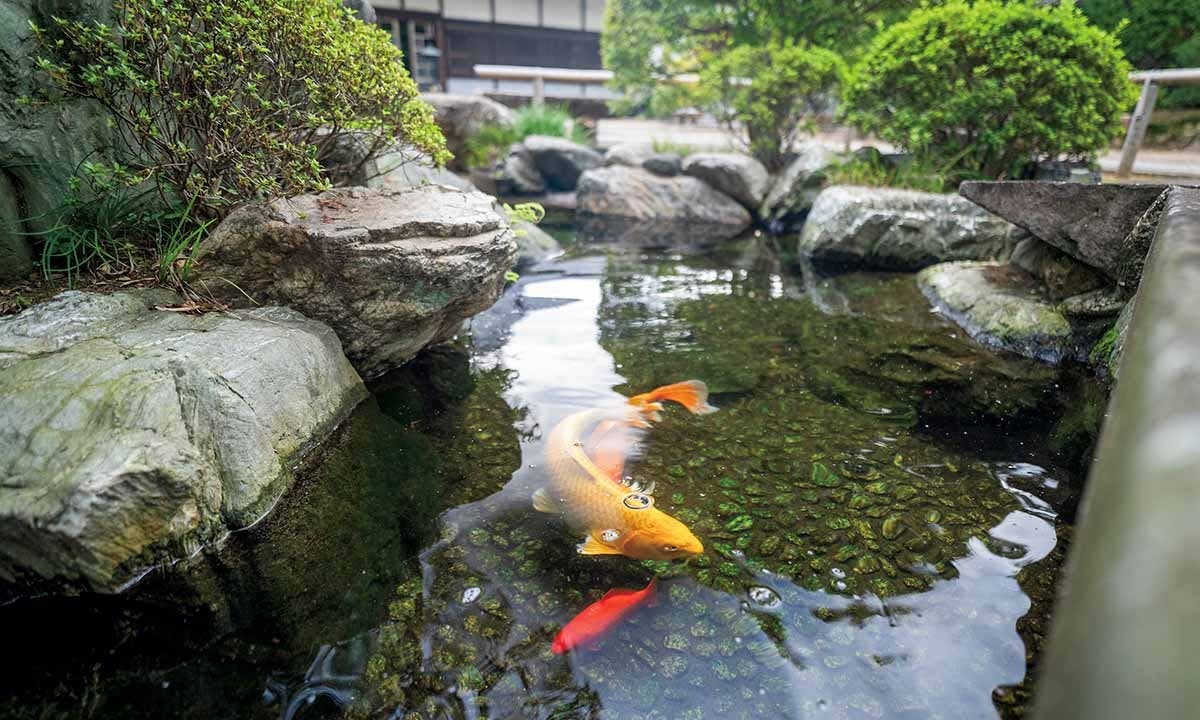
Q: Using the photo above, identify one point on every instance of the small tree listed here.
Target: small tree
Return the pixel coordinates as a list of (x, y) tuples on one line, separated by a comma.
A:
[(220, 102), (986, 87), (771, 92), (1155, 34)]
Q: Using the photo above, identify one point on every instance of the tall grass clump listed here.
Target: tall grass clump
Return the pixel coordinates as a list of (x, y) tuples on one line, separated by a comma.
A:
[(492, 140)]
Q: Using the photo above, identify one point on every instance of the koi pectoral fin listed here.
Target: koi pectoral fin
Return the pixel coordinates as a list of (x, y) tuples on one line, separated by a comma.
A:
[(542, 501), (592, 546)]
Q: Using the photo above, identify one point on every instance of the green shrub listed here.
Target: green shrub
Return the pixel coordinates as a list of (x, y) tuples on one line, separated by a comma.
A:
[(770, 91), (1155, 34), (911, 173), (491, 141), (988, 86), (222, 102)]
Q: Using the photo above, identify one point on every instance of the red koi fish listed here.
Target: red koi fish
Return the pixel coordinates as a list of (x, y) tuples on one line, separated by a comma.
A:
[(596, 620)]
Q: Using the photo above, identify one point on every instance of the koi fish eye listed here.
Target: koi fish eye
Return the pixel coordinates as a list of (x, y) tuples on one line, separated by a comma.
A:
[(670, 548), (638, 501), (610, 535)]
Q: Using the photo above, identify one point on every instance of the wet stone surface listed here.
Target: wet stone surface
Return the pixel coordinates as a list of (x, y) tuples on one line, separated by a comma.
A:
[(883, 536)]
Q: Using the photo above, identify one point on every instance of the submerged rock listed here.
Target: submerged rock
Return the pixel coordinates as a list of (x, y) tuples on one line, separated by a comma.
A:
[(739, 176), (636, 195), (560, 161), (1000, 305), (901, 229), (390, 271), (462, 116), (131, 436), (789, 200)]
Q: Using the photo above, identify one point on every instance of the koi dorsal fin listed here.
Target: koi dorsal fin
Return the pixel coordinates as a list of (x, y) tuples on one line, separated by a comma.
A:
[(608, 446), (619, 592), (585, 462)]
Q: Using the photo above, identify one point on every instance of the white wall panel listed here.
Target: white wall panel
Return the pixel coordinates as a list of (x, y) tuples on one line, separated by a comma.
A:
[(594, 16), (562, 14), (468, 10), (517, 12)]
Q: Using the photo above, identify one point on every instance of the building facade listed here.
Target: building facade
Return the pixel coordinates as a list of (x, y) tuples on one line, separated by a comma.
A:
[(443, 40)]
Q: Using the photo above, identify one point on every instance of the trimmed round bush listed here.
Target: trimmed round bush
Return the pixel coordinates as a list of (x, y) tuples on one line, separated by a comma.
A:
[(984, 88)]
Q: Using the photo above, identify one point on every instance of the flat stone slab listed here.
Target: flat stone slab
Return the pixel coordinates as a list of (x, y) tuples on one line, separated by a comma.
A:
[(130, 436), (1088, 222), (999, 305)]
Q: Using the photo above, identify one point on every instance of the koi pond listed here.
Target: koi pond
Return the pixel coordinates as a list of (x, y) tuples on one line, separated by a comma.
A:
[(884, 506)]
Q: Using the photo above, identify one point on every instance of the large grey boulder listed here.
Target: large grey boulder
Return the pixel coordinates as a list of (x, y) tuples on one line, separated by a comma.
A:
[(517, 174), (353, 159), (42, 144), (901, 229), (1088, 222), (560, 161), (390, 271), (796, 189), (637, 195), (129, 436), (629, 154), (461, 117), (739, 176), (665, 164), (404, 168), (16, 255), (1000, 305)]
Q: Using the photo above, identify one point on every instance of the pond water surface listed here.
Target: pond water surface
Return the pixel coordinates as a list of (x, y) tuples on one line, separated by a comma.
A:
[(884, 504)]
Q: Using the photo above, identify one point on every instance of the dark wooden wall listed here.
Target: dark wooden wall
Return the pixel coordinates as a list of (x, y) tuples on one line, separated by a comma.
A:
[(475, 43)]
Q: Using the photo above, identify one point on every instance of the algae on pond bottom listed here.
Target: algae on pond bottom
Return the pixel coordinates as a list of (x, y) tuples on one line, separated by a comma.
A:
[(837, 529)]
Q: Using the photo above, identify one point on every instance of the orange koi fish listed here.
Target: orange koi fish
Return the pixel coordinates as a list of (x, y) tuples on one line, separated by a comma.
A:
[(586, 485), (596, 620)]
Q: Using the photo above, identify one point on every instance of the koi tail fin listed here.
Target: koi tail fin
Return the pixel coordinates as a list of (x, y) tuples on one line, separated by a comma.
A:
[(692, 394)]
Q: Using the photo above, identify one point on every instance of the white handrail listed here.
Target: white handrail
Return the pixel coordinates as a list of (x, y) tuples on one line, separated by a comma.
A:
[(539, 76), (1170, 76)]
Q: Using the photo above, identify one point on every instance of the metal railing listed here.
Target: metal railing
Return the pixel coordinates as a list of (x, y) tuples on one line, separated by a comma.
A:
[(1140, 121)]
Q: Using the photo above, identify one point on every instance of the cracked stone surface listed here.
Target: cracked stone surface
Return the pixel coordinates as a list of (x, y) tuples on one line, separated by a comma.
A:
[(391, 271), (891, 229), (131, 436)]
